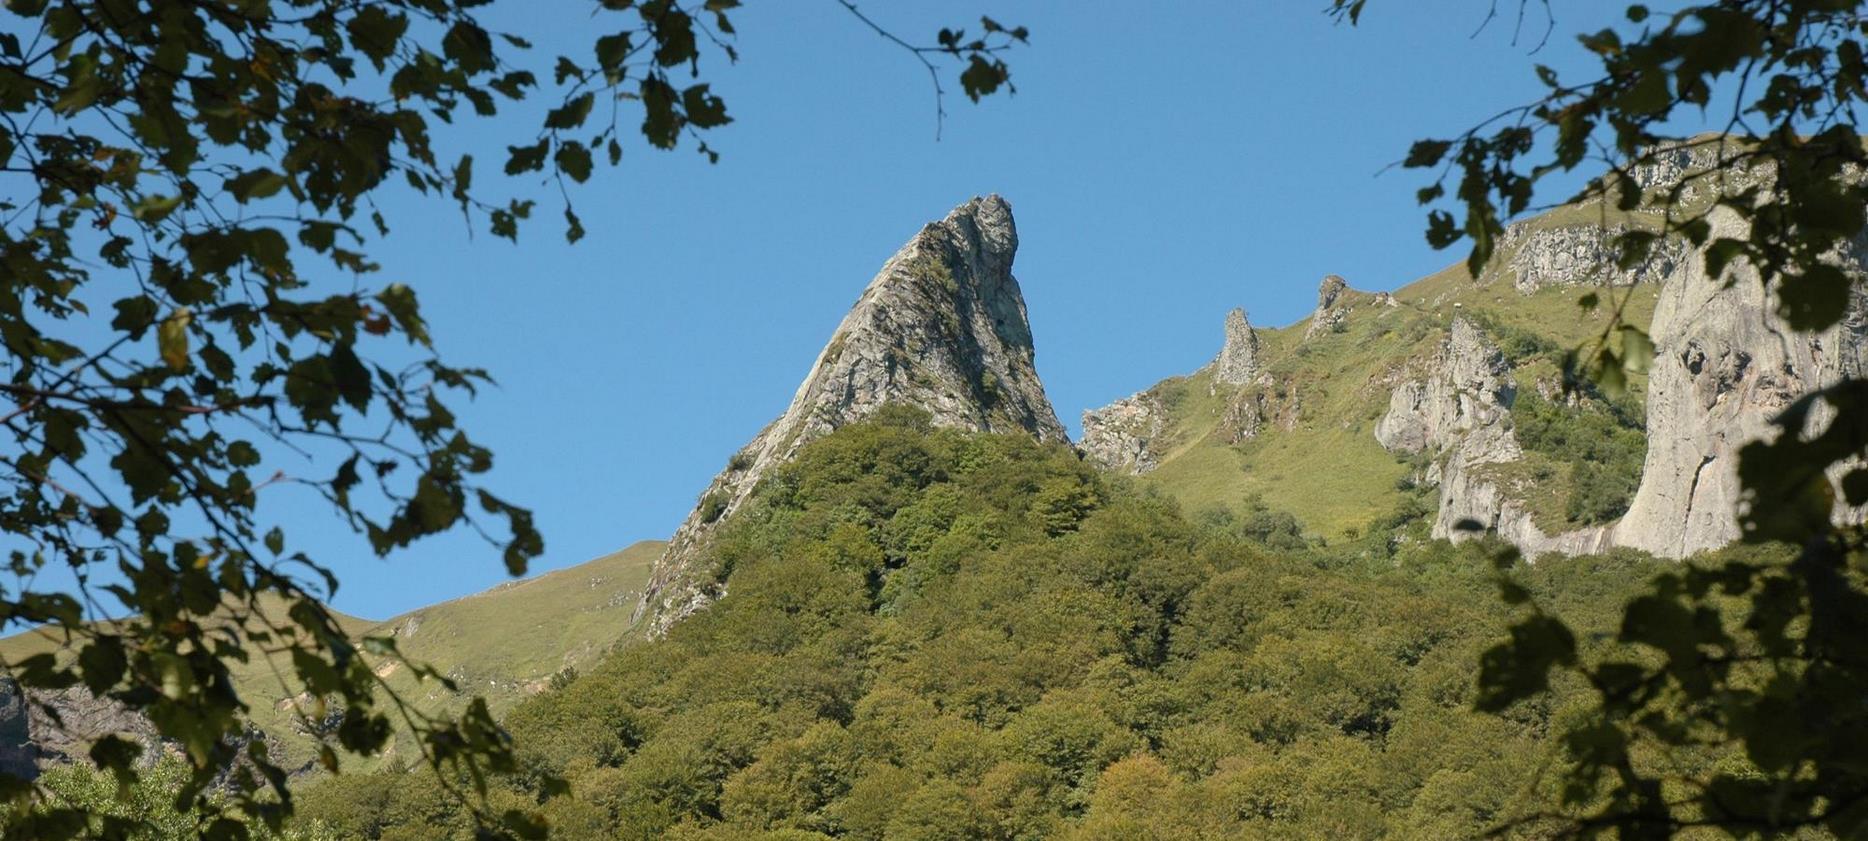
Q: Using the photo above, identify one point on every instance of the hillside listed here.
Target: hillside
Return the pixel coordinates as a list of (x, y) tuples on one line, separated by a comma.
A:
[(935, 635), (1318, 395), (506, 643), (503, 644)]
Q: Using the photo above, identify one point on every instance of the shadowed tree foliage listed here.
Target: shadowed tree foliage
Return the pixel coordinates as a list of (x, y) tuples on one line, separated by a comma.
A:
[(192, 322)]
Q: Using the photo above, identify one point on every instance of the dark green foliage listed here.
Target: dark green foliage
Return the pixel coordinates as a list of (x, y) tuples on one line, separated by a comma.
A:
[(1601, 448), (928, 634)]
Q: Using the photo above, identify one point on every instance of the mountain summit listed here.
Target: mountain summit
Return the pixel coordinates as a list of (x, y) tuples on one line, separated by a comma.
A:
[(942, 328)]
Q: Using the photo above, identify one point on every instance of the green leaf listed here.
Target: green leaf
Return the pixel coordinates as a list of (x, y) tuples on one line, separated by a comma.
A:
[(1520, 668), (573, 159), (572, 114), (1637, 351), (1425, 153), (255, 184), (527, 158)]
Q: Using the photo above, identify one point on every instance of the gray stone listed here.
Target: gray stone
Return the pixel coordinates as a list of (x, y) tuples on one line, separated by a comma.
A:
[(1469, 387), (942, 327), (1238, 357), (1724, 364), (1332, 306), (1545, 257), (1122, 436)]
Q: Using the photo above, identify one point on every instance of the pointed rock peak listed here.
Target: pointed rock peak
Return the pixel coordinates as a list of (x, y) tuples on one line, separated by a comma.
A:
[(941, 328), (1238, 357), (1331, 288), (1332, 309)]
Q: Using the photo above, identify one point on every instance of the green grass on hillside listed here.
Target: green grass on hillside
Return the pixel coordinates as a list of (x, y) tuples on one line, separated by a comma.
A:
[(1316, 456), (503, 644)]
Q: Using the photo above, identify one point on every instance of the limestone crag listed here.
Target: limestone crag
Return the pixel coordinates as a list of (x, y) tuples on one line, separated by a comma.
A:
[(1545, 256), (1245, 416), (1694, 166), (1332, 306), (1469, 387), (1123, 435), (942, 327), (1460, 417), (1238, 362), (1724, 364)]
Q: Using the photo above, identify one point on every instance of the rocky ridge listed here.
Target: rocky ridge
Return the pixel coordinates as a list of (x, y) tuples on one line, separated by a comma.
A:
[(942, 327), (1725, 363)]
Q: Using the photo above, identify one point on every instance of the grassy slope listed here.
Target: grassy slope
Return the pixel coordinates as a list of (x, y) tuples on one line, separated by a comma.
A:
[(503, 643), (1327, 468)]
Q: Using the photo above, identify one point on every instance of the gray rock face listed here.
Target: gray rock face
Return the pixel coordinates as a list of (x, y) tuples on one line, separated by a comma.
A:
[(942, 327), (1332, 309), (1460, 414), (1469, 387), (1122, 435), (1724, 364), (45, 729), (1543, 257), (1244, 417), (1238, 358)]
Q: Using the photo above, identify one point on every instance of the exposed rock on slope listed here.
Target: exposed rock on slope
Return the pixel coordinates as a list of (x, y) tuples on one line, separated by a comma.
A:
[(57, 728), (942, 327), (1331, 308), (1122, 435), (1238, 358), (1544, 256), (1469, 388), (1724, 363), (1460, 416)]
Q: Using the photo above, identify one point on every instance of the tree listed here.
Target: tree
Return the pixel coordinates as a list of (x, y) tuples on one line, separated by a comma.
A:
[(1761, 652), (186, 244)]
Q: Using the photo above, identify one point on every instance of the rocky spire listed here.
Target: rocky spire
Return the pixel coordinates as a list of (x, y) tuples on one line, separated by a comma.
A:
[(942, 327), (1238, 358), (1331, 309)]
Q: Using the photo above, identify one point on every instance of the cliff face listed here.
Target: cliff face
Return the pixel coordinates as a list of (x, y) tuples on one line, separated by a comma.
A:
[(942, 327), (1122, 436), (1724, 364)]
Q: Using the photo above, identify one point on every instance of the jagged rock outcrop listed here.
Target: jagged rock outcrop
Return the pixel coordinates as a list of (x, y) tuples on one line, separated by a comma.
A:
[(1545, 256), (1238, 357), (1244, 417), (942, 327), (18, 758), (1724, 364), (1332, 307), (1122, 436), (39, 730), (1469, 388), (1460, 416)]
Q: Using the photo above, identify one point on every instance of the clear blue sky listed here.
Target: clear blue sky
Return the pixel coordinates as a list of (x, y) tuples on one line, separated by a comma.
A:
[(1165, 162)]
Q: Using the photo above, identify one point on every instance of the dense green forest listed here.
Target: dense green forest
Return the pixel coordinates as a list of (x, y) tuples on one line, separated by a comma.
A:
[(931, 634), (936, 635)]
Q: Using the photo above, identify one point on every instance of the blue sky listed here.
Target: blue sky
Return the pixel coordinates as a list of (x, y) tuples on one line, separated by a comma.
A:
[(1165, 162)]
